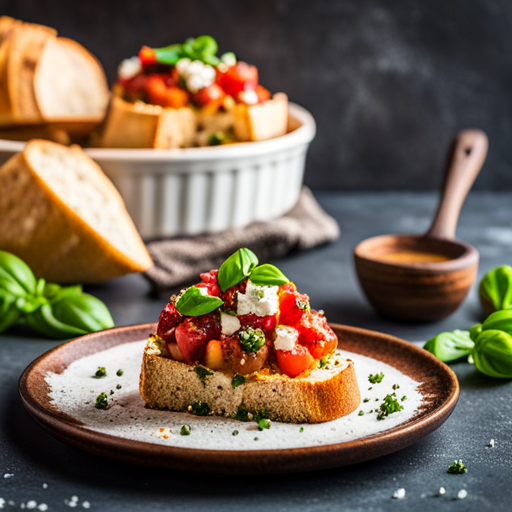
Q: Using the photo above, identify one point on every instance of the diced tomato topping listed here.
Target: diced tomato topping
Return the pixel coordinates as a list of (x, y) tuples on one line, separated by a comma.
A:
[(266, 323), (135, 88), (238, 78), (147, 55), (316, 335), (169, 319), (296, 361), (230, 295), (262, 93), (193, 334), (209, 281), (159, 93), (213, 94), (292, 305)]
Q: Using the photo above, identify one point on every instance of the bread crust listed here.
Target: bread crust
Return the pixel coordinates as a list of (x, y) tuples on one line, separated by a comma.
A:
[(169, 384), (40, 228)]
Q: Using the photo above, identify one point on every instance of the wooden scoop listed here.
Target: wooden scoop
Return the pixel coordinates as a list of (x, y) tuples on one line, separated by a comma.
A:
[(398, 273)]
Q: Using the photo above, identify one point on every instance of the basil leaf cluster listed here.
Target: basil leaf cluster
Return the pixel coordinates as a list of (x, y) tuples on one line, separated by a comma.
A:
[(495, 289), (244, 263), (490, 344), (203, 48), (52, 310)]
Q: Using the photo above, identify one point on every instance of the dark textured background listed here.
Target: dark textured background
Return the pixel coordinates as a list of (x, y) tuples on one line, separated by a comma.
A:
[(389, 83)]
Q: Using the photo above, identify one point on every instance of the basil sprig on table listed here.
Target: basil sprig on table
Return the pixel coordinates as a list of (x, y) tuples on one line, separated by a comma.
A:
[(495, 289), (55, 311), (490, 345), (193, 303)]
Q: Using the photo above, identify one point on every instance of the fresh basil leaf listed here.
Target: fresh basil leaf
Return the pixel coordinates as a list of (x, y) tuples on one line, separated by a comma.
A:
[(44, 322), (194, 303), (493, 354), (268, 275), (500, 321), (82, 311), (15, 275), (205, 45), (449, 346), (169, 55), (9, 313), (237, 267), (495, 289)]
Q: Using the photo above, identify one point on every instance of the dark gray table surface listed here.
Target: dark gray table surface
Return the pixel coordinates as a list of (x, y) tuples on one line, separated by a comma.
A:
[(484, 410)]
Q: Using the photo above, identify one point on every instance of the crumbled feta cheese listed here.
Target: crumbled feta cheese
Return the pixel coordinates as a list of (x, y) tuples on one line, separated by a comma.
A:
[(129, 68), (399, 494), (228, 59), (31, 504), (248, 97), (163, 432), (462, 494), (442, 491), (196, 74), (230, 323), (203, 290), (260, 300), (491, 443), (286, 337)]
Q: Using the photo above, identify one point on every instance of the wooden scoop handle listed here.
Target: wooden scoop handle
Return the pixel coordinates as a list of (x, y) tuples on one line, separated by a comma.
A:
[(467, 155)]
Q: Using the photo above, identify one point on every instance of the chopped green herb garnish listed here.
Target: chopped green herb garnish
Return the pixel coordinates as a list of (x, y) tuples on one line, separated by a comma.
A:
[(102, 401), (237, 380), (396, 386), (242, 414), (404, 398), (376, 379), (202, 373), (264, 424), (119, 386), (216, 139), (389, 406), (302, 305), (100, 372), (111, 391), (199, 409), (360, 413), (370, 388), (119, 372), (366, 400), (301, 429), (251, 339), (457, 468), (185, 430), (255, 438), (234, 433), (322, 363)]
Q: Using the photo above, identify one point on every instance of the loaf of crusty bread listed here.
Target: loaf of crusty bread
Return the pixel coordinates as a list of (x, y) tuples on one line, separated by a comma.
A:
[(64, 218), (48, 79), (326, 394)]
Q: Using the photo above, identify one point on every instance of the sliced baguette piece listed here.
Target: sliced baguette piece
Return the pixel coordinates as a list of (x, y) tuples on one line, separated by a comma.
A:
[(25, 46), (64, 218), (326, 394), (69, 82), (141, 125), (7, 25), (263, 121)]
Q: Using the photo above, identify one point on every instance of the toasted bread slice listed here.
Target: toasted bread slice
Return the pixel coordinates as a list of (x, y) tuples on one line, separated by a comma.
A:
[(69, 83), (64, 218), (263, 121), (7, 25), (326, 394), (140, 125)]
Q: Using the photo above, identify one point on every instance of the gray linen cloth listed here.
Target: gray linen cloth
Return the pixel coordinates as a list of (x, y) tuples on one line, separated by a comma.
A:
[(180, 260)]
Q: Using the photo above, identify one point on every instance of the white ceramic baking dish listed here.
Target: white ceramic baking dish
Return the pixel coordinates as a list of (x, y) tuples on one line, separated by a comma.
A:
[(199, 190)]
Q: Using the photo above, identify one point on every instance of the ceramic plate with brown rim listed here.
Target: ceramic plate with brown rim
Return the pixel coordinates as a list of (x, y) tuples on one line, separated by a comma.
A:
[(59, 391)]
